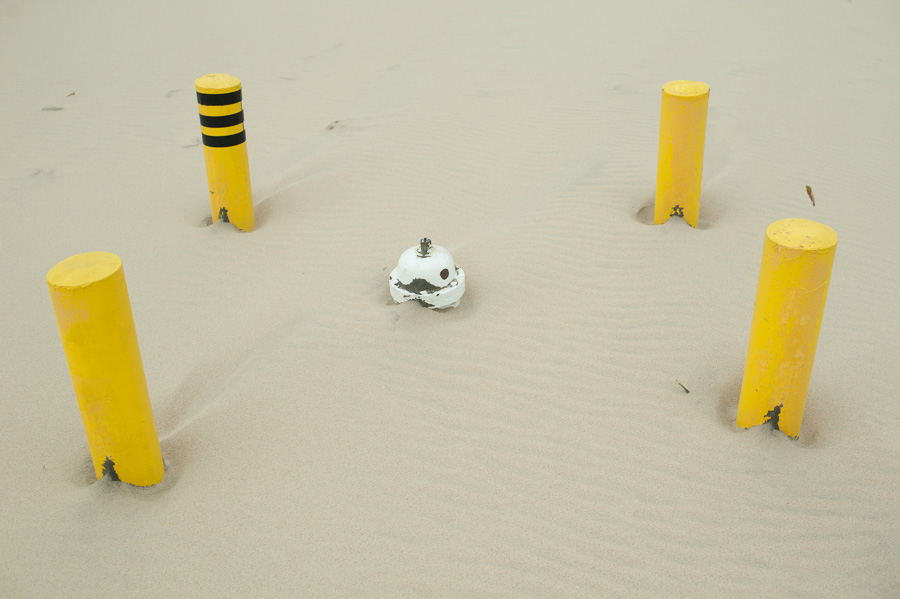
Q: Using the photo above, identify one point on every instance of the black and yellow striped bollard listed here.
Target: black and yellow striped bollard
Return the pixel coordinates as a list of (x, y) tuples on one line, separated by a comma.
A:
[(225, 149)]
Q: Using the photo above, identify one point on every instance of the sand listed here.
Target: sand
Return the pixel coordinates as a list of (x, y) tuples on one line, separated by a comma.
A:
[(323, 441)]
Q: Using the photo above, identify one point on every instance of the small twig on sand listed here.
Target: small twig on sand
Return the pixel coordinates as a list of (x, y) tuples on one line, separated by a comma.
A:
[(686, 390)]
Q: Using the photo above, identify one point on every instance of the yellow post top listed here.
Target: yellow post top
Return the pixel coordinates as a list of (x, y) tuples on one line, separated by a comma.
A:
[(217, 83), (802, 234), (82, 270), (686, 89)]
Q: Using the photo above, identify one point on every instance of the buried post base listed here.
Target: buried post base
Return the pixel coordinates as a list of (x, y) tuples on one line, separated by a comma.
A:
[(787, 422)]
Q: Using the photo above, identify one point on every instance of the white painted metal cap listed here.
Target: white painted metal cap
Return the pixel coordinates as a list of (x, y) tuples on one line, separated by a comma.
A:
[(427, 273)]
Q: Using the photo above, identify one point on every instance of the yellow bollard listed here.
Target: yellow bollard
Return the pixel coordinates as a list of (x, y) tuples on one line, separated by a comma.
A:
[(97, 329), (225, 149), (682, 134), (790, 300)]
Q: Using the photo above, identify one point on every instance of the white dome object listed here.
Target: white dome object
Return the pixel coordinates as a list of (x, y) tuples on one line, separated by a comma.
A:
[(427, 273)]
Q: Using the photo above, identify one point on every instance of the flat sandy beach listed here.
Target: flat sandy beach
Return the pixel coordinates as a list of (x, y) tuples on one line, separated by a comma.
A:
[(321, 440)]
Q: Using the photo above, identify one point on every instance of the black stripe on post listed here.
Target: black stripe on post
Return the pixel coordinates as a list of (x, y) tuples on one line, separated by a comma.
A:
[(219, 99), (224, 141), (222, 121)]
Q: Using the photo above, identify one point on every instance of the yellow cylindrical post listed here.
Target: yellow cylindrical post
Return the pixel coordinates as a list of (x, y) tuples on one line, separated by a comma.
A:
[(790, 300), (225, 149), (97, 329), (682, 135)]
